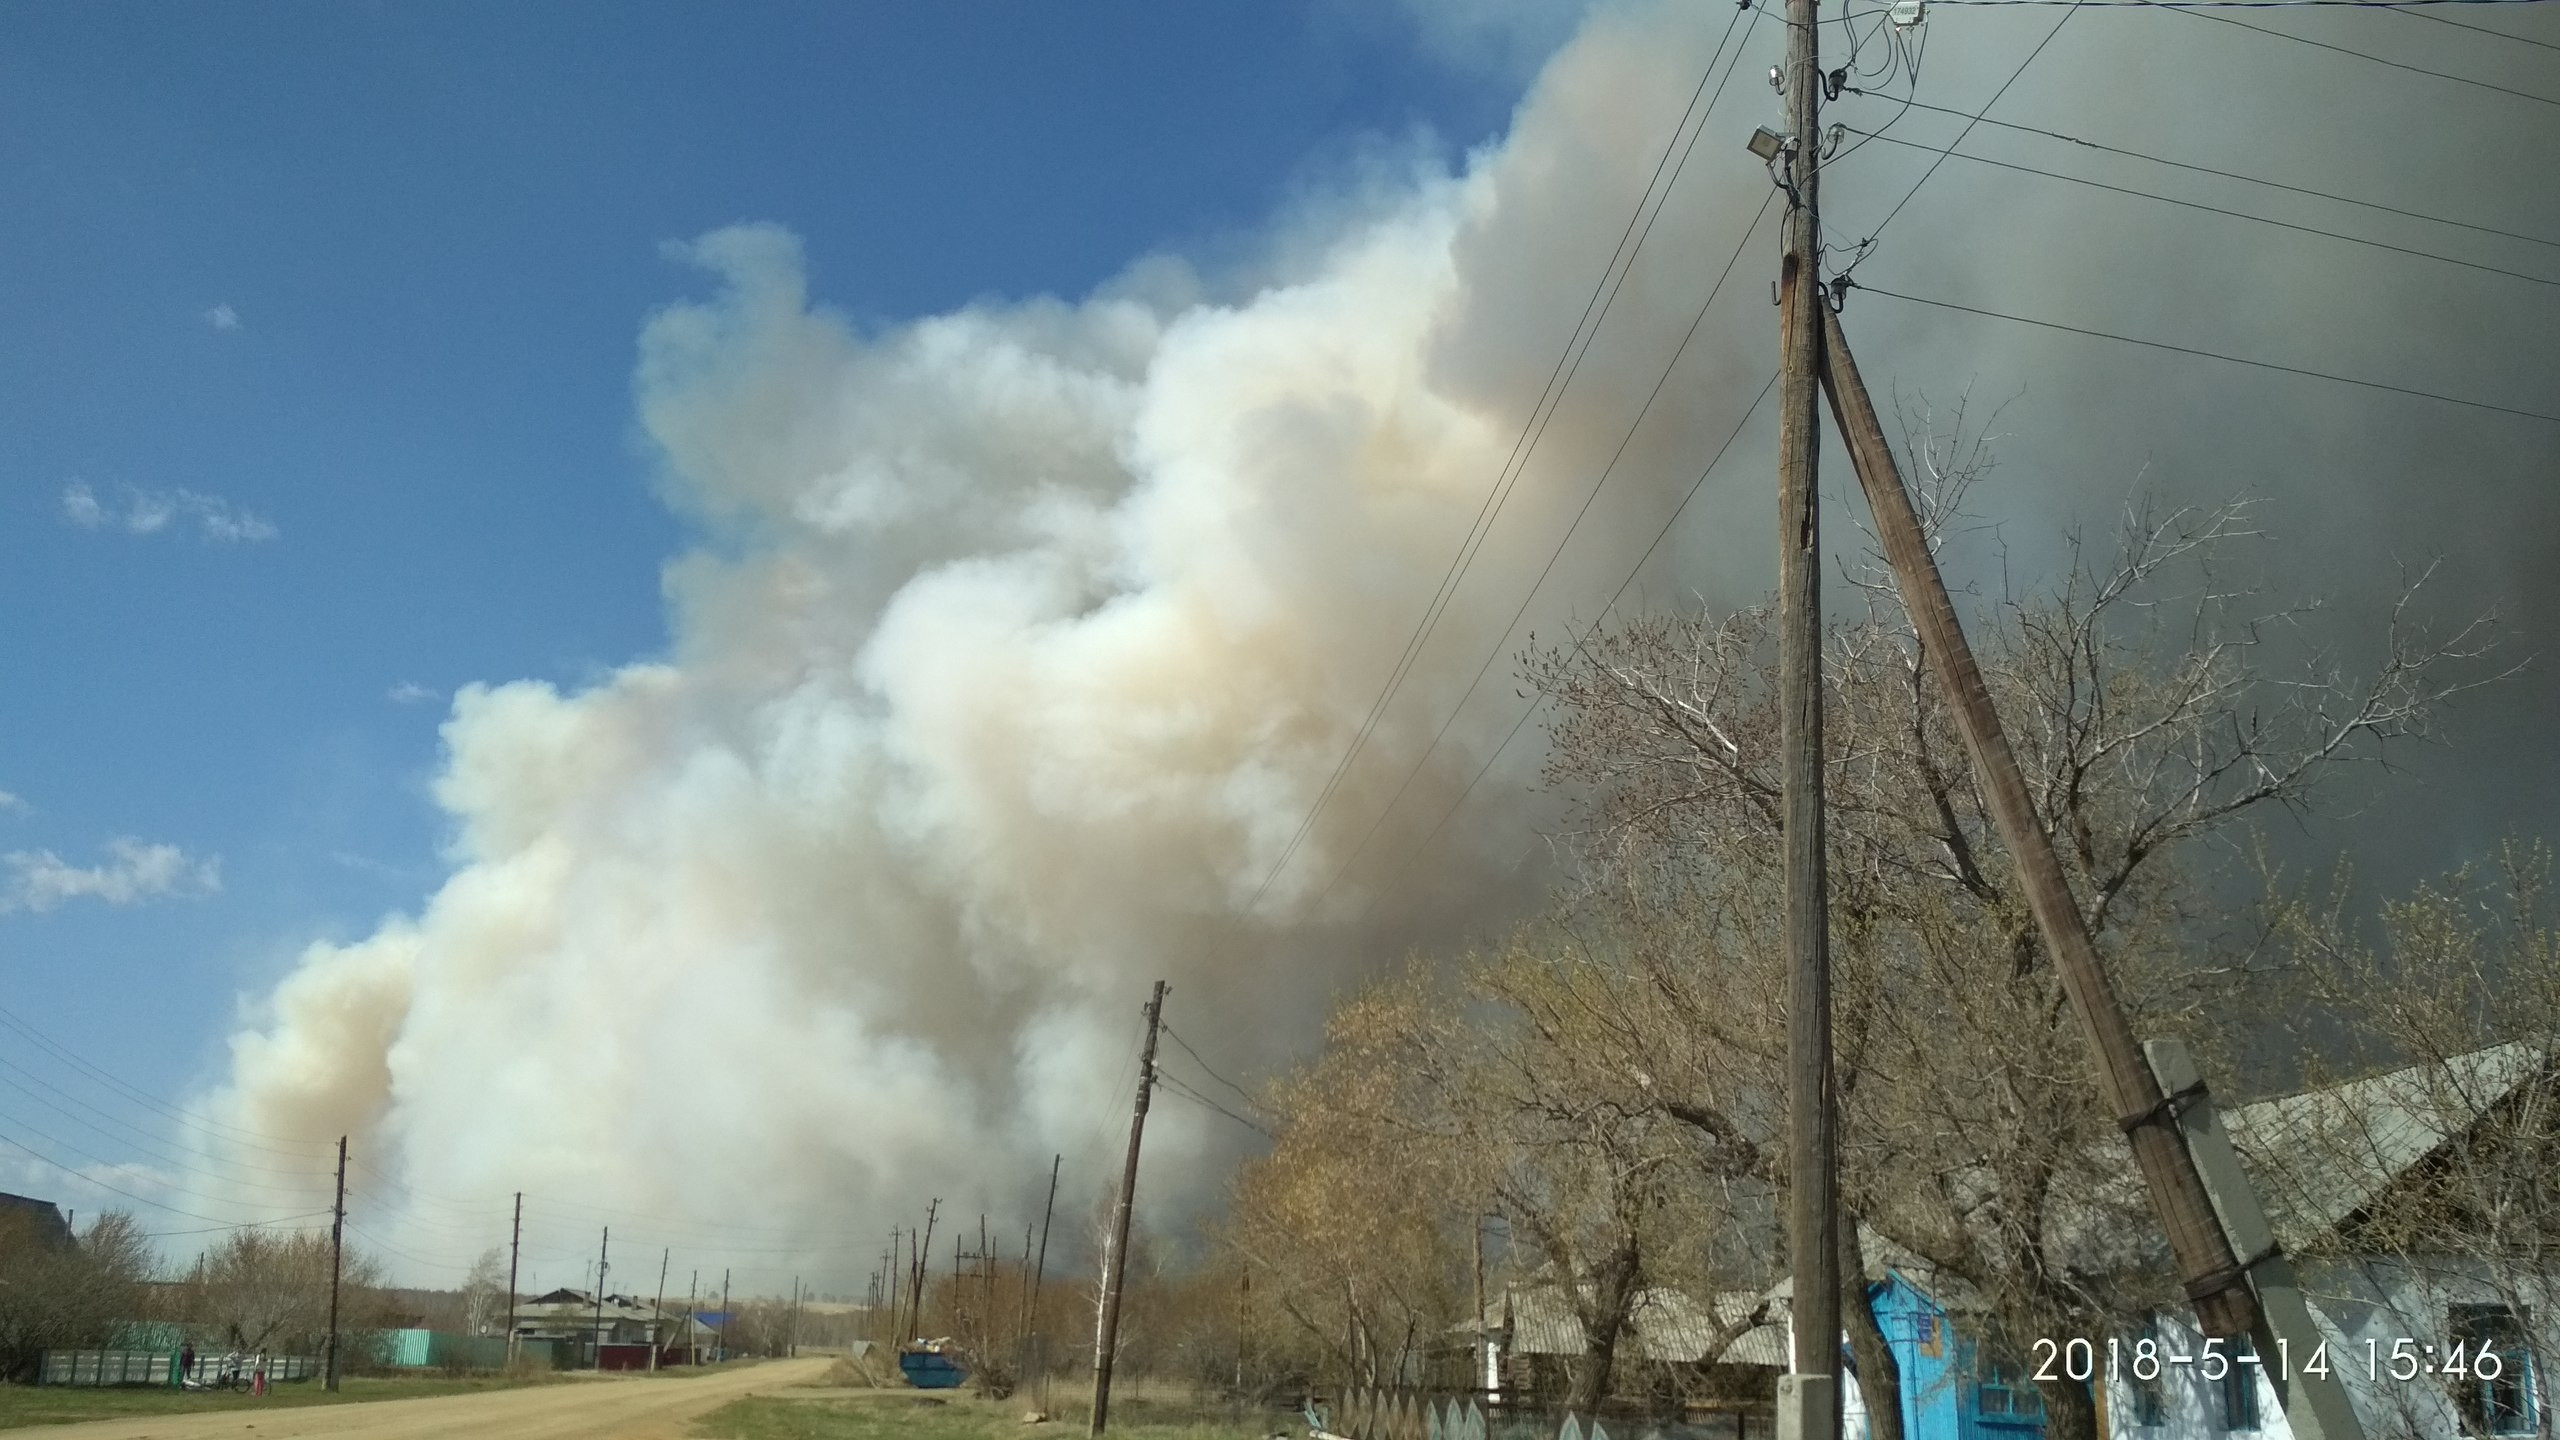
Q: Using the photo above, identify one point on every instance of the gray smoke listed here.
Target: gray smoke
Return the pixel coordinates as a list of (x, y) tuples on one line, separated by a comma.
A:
[(1018, 640)]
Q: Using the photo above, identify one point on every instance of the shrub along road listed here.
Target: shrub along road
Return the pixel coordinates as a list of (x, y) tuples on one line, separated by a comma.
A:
[(633, 1407)]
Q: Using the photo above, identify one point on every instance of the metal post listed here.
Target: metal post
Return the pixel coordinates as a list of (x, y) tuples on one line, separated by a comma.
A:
[(2214, 1284), (1115, 1255)]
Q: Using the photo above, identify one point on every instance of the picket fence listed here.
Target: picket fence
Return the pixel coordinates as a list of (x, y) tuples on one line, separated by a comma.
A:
[(1402, 1415)]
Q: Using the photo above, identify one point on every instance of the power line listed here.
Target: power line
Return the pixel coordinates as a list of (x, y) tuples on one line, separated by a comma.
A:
[(2218, 355), (139, 1096), (2359, 54), (2404, 6), (1173, 1086), (1557, 553), (2224, 174), (1973, 120), (2217, 210), (2480, 29), (1205, 1067), (1595, 312), (1532, 707), (92, 1180)]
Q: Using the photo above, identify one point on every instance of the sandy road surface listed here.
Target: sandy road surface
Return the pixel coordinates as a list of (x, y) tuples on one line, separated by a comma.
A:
[(605, 1408)]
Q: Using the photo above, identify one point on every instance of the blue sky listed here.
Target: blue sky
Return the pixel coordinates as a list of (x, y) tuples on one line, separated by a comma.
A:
[(345, 297)]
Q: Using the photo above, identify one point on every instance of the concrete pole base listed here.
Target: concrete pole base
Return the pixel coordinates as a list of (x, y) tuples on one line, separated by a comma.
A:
[(1808, 1407)]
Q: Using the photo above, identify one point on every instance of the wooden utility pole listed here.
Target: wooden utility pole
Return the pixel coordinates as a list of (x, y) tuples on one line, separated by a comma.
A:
[(692, 1327), (657, 1308), (724, 1314), (1809, 1398), (1115, 1254), (921, 1252), (2215, 1284), (604, 1247), (515, 1252), (337, 1258), (1038, 1339), (1476, 1357)]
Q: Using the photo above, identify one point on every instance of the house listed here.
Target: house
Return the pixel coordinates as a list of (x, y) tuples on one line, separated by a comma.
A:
[(611, 1333), (2361, 1181), (1726, 1355), (42, 1218)]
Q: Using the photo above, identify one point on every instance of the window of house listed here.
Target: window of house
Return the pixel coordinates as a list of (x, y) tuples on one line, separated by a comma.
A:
[(2150, 1401), (2239, 1387), (1998, 1394), (2504, 1403)]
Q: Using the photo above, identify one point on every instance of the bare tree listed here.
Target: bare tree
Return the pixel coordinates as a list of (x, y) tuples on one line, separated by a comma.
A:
[(2138, 694), (56, 1292), (484, 1295)]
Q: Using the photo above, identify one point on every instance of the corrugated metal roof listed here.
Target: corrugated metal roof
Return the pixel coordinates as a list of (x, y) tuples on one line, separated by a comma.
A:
[(2321, 1156)]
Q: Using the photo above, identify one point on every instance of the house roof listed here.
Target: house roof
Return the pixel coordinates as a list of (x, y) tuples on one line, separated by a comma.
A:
[(2321, 1156), (1665, 1325)]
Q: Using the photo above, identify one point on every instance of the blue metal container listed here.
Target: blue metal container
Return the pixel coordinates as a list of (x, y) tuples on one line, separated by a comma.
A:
[(931, 1369)]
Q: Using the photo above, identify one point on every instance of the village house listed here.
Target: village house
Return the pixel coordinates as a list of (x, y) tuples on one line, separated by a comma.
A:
[(615, 1334), (2388, 1193)]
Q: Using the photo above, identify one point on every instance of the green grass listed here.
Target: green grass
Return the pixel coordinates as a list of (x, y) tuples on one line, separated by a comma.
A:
[(905, 1415), (22, 1405)]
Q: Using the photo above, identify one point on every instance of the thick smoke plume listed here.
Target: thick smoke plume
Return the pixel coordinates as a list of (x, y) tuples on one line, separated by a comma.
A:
[(1019, 639)]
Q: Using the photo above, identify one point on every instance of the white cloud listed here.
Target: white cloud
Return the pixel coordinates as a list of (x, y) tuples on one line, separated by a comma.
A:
[(149, 512), (40, 880), (222, 317), (13, 804), (410, 692)]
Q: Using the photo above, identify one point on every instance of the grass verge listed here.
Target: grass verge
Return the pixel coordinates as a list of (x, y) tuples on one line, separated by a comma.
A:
[(906, 1415), (24, 1405)]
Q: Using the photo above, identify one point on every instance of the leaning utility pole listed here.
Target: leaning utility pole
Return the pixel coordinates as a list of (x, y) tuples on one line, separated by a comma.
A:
[(1038, 1339), (337, 1254), (692, 1326), (1115, 1254), (603, 1248), (515, 1252), (2216, 1285), (658, 1308), (1809, 1396)]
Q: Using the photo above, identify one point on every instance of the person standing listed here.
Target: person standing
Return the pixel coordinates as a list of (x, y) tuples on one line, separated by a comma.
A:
[(258, 1378), (187, 1365)]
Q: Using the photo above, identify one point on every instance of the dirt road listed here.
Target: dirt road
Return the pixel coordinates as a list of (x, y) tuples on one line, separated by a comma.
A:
[(603, 1408)]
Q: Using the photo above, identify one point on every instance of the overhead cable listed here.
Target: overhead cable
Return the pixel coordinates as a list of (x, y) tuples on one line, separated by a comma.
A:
[(2542, 415), (2219, 210)]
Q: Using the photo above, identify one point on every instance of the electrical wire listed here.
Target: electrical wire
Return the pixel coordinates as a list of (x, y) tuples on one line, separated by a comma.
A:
[(1974, 119), (1205, 1068), (87, 1179), (2220, 210), (1171, 1086), (2346, 50), (1531, 708), (1560, 379), (235, 1135), (1557, 553), (2232, 175), (2218, 355), (2480, 29)]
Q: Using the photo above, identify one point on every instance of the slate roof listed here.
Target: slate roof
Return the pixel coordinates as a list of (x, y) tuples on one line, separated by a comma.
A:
[(2321, 1156)]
